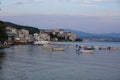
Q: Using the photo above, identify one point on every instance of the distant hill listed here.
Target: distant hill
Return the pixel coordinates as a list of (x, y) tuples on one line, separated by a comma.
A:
[(112, 35), (31, 30), (81, 34)]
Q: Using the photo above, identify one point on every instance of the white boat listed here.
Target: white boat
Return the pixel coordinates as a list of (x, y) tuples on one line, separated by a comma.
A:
[(41, 42), (86, 51), (58, 49), (47, 47)]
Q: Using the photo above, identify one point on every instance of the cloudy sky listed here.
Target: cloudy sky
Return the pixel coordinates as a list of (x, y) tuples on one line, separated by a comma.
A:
[(93, 16)]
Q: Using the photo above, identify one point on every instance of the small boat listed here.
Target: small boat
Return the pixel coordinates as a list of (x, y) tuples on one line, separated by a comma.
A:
[(87, 50), (58, 49), (71, 46), (48, 47)]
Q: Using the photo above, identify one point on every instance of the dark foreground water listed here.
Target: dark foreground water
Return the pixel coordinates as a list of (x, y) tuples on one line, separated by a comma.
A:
[(26, 62)]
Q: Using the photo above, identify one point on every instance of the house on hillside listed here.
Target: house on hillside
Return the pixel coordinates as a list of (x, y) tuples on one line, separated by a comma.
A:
[(43, 36), (70, 36), (23, 35), (11, 33)]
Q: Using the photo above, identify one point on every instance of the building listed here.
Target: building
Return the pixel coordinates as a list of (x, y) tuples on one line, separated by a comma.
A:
[(23, 35), (11, 33), (41, 36)]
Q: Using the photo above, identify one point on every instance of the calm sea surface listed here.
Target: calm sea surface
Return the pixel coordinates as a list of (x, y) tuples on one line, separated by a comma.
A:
[(30, 62)]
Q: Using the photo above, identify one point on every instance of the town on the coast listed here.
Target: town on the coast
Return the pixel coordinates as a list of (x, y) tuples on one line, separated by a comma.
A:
[(11, 35), (23, 36)]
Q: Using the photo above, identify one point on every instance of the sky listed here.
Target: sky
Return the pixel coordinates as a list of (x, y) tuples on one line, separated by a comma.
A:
[(92, 16)]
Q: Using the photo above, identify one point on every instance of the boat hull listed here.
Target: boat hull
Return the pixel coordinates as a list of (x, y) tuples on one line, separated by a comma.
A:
[(86, 51), (58, 49)]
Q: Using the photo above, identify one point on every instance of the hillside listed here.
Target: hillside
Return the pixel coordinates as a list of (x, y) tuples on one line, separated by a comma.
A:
[(81, 34), (31, 30)]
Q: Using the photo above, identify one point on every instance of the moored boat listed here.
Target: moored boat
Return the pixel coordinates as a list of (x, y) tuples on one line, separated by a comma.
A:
[(87, 50), (48, 47), (58, 49)]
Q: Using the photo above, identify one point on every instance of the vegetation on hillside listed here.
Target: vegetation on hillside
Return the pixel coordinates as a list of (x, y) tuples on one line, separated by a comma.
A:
[(31, 30), (3, 35)]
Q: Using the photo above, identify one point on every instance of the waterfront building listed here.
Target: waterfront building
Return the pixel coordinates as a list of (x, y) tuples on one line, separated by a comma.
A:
[(23, 35), (11, 33), (36, 36), (44, 37)]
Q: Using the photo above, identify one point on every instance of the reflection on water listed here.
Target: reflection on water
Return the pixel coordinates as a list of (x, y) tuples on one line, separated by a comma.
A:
[(26, 62), (87, 54), (2, 56)]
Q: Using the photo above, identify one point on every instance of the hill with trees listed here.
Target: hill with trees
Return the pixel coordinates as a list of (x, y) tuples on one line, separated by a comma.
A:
[(31, 30), (3, 35)]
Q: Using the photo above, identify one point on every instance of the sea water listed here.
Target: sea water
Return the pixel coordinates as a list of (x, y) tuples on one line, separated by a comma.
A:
[(32, 62)]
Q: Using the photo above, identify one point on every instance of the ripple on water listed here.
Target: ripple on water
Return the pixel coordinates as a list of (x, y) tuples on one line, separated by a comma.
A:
[(34, 63)]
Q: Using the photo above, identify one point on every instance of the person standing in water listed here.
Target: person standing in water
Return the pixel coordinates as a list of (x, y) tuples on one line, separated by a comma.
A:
[(109, 48), (78, 48)]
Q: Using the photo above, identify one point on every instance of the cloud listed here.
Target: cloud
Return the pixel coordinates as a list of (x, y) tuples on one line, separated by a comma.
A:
[(21, 2), (88, 5), (82, 3), (94, 1)]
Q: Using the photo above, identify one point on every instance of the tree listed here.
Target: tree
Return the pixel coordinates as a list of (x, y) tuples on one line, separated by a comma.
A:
[(3, 35)]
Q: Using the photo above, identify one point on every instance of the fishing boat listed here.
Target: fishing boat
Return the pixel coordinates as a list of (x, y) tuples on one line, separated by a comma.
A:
[(47, 47), (87, 50), (58, 49)]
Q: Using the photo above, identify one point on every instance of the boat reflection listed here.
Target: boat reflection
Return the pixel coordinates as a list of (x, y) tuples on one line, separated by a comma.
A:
[(83, 53)]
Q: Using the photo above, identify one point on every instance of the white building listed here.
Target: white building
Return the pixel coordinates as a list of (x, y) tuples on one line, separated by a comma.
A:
[(41, 37), (23, 35)]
